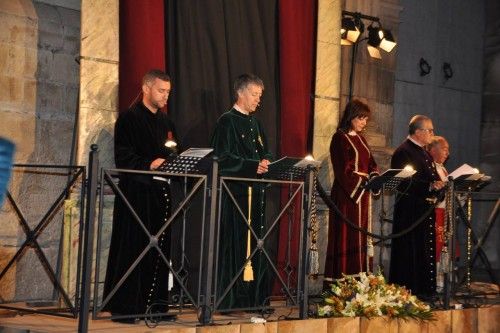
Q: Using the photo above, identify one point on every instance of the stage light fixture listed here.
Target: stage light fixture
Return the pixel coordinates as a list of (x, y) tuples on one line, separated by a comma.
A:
[(350, 31), (388, 42), (375, 35), (374, 52), (379, 38)]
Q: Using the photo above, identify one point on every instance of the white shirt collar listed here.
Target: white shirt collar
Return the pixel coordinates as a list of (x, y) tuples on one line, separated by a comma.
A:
[(352, 133), (415, 142), (237, 108)]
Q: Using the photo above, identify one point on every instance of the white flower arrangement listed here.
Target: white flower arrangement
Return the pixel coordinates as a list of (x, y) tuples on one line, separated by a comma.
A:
[(369, 295)]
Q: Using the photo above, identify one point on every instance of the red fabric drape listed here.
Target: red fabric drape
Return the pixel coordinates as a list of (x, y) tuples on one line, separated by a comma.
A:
[(142, 45), (297, 29)]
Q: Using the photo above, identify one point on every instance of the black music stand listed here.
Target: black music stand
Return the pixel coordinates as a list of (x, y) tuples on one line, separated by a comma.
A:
[(193, 160), (471, 183), (293, 169), (289, 168), (465, 185), (387, 181)]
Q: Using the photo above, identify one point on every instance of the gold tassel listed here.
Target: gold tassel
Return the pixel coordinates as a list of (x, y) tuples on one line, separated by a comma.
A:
[(248, 272)]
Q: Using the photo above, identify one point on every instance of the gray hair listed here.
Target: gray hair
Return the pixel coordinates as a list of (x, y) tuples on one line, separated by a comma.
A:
[(244, 80), (416, 123)]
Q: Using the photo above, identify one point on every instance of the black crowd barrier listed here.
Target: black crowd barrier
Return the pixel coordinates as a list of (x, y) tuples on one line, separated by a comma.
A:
[(328, 201), (195, 280)]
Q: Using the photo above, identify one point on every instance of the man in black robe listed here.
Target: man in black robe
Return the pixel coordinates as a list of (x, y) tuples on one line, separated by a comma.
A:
[(240, 144), (141, 135), (412, 255)]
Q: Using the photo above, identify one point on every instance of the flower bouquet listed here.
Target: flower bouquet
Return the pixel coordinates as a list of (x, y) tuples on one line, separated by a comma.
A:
[(369, 295)]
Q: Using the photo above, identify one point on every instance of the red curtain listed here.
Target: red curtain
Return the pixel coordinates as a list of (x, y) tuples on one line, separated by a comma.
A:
[(297, 25), (142, 45)]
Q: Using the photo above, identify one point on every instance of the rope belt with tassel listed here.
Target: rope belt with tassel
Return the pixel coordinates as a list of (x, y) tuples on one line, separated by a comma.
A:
[(248, 272)]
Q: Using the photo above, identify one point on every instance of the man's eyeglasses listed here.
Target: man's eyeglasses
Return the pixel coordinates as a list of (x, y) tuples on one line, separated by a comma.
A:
[(430, 130)]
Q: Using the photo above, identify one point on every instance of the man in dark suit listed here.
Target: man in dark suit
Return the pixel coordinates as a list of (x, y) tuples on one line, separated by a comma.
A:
[(413, 255)]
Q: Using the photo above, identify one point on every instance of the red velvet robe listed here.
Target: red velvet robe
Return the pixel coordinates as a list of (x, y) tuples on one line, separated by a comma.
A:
[(352, 164)]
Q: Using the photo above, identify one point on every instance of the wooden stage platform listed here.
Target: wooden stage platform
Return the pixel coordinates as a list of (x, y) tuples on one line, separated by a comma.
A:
[(475, 320)]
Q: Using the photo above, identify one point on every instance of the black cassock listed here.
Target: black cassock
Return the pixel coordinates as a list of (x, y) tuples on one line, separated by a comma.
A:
[(412, 255), (239, 143), (140, 137)]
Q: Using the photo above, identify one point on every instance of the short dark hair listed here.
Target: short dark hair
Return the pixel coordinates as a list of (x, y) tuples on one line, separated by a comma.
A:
[(353, 109), (416, 123), (244, 80), (153, 74)]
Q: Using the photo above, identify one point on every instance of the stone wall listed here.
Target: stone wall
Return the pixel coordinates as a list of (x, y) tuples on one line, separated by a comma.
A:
[(490, 129), (454, 33), (490, 119), (326, 114), (441, 31), (39, 79)]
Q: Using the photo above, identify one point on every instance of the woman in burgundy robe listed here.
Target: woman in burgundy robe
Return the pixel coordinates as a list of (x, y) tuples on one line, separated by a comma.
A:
[(353, 165)]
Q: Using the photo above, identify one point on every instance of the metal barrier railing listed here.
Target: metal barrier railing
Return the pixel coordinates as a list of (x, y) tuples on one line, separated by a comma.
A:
[(207, 300), (185, 299), (209, 294), (73, 173), (294, 291)]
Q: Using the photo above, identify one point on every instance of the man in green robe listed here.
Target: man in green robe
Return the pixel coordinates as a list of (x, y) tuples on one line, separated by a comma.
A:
[(240, 144)]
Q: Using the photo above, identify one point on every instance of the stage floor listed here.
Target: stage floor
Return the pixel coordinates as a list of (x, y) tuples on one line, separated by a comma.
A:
[(485, 319)]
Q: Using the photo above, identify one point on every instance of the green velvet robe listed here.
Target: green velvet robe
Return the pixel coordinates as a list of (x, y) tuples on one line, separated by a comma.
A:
[(239, 143)]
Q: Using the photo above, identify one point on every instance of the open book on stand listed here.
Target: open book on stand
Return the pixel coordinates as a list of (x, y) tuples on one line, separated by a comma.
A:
[(390, 178), (466, 178), (466, 172)]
